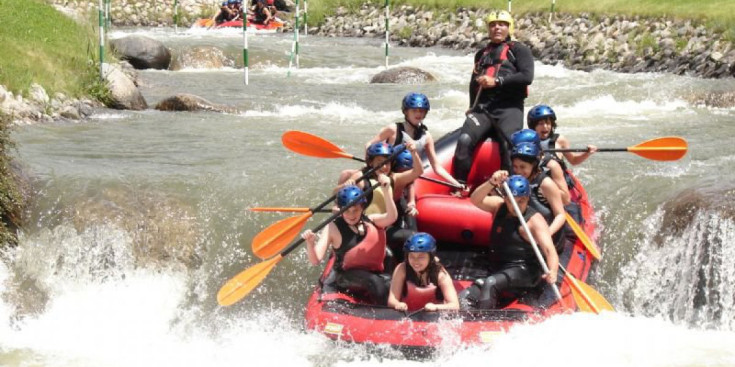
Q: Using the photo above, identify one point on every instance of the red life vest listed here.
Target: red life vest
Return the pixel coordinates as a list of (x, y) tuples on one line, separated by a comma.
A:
[(417, 297), (369, 253)]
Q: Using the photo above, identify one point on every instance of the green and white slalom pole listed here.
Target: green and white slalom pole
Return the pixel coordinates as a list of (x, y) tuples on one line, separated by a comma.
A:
[(176, 16), (245, 60), (102, 38), (510, 7), (306, 26), (387, 30), (295, 44), (108, 18), (553, 4)]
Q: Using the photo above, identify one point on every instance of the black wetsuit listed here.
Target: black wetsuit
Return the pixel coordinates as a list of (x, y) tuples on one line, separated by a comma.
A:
[(513, 261), (499, 110)]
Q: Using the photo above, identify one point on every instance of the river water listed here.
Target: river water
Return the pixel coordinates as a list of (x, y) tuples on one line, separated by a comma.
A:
[(140, 217)]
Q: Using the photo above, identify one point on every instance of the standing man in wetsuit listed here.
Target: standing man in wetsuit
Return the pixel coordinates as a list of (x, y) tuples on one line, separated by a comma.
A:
[(499, 85)]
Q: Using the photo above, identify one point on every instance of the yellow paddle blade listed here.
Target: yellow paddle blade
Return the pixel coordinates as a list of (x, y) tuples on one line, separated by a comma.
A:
[(311, 145), (277, 236), (586, 297), (242, 284), (669, 148), (582, 235)]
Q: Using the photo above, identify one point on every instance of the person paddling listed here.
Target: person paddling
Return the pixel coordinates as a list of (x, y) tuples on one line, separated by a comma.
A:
[(359, 244), (514, 265), (420, 281), (551, 166)]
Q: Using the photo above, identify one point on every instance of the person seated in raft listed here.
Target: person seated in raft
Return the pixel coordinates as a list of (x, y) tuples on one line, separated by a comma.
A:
[(224, 14), (261, 14), (420, 281), (514, 263), (375, 155), (546, 197), (358, 242), (552, 168), (542, 119), (415, 107)]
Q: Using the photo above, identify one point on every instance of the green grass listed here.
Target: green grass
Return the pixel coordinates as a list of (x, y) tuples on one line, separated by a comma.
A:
[(718, 15), (40, 45)]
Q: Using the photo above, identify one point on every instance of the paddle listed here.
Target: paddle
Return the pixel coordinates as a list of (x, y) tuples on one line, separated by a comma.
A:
[(291, 210), (668, 148), (244, 282), (586, 297), (315, 146), (273, 239), (536, 250), (582, 235)]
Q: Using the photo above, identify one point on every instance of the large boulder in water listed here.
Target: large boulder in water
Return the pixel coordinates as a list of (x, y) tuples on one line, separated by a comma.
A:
[(403, 75), (142, 52), (125, 94), (190, 102), (201, 57)]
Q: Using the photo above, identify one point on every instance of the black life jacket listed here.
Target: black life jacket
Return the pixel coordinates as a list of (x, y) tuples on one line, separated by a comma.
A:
[(550, 143), (497, 60), (506, 243)]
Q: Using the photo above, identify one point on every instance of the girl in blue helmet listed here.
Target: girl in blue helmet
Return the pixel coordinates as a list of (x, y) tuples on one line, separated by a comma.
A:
[(546, 196), (420, 281), (358, 242), (514, 265), (375, 155), (542, 119), (415, 107), (552, 168)]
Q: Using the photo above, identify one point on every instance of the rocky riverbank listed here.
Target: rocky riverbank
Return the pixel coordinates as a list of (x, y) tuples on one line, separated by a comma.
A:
[(584, 42)]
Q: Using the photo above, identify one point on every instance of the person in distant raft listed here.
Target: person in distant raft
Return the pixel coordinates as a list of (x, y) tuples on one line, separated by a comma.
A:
[(420, 281), (261, 14), (498, 87), (358, 242)]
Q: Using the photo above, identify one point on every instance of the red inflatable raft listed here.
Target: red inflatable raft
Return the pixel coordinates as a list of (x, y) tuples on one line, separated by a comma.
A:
[(462, 231)]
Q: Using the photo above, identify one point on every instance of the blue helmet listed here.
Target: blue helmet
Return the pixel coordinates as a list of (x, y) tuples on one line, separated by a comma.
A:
[(416, 100), (420, 242), (525, 136), (519, 185), (540, 112), (380, 149), (349, 193), (525, 150), (404, 161)]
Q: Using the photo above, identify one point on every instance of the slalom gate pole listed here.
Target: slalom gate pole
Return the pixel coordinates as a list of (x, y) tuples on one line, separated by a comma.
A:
[(102, 37), (176, 16), (306, 26), (387, 30), (245, 59)]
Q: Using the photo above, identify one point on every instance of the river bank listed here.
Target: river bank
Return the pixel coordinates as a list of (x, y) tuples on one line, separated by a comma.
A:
[(628, 44)]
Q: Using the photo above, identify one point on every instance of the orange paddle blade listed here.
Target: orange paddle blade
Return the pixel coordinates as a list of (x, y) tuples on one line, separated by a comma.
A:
[(668, 148), (275, 238), (586, 297), (242, 284), (311, 145), (582, 235), (291, 210)]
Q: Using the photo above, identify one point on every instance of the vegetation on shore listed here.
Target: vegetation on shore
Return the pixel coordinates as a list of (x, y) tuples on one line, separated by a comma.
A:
[(718, 15), (11, 196), (40, 45)]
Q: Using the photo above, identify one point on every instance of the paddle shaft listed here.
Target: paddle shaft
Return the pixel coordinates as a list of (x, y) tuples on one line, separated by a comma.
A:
[(579, 150), (330, 219), (440, 182), (530, 238)]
